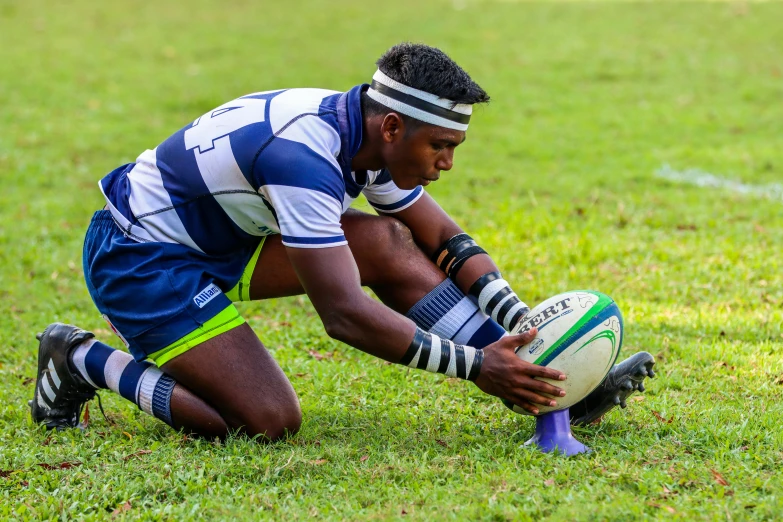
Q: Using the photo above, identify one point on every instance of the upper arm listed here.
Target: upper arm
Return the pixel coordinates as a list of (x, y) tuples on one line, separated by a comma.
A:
[(302, 185), (297, 172), (328, 275), (331, 280)]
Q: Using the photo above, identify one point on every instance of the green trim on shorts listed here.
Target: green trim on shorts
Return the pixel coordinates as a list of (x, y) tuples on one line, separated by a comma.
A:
[(241, 291), (224, 321)]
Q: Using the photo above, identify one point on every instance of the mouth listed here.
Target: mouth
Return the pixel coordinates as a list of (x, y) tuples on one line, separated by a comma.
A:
[(427, 181)]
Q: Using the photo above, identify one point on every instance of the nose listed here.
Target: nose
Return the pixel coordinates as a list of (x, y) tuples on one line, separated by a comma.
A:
[(445, 160)]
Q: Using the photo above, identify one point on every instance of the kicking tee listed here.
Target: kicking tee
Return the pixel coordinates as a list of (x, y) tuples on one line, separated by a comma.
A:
[(276, 162)]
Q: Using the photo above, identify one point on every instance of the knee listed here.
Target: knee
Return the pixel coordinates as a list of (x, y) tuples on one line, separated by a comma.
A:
[(386, 251), (398, 232), (394, 240), (283, 427), (274, 423)]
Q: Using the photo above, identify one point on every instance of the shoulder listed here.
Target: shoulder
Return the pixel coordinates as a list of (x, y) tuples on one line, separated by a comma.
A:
[(302, 151), (306, 116)]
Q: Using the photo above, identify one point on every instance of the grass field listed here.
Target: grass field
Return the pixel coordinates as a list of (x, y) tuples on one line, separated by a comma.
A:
[(557, 180)]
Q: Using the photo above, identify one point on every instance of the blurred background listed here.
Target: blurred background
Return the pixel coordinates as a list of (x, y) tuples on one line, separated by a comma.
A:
[(635, 148), (589, 101)]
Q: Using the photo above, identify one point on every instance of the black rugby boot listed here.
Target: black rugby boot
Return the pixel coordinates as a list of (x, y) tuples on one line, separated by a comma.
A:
[(620, 382), (60, 392)]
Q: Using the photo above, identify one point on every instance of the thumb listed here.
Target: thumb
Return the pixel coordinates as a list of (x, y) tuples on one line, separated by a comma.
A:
[(523, 338)]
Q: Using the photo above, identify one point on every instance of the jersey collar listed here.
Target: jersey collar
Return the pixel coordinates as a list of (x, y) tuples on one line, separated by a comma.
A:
[(349, 119)]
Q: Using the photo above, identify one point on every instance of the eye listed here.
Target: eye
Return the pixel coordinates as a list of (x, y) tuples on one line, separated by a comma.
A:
[(437, 147)]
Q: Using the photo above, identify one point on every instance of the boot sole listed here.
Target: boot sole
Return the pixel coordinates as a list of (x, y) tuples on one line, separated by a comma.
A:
[(631, 382)]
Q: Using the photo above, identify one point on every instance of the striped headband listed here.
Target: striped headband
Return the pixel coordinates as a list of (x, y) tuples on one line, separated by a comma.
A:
[(420, 105)]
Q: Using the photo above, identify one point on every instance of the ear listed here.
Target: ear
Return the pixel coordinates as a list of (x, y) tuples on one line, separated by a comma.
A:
[(392, 128)]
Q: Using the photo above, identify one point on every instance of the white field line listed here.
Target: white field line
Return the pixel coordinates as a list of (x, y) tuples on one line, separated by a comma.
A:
[(773, 191)]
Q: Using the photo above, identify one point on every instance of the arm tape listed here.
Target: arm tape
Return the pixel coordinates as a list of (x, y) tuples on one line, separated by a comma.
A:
[(453, 253), (429, 352), (496, 299)]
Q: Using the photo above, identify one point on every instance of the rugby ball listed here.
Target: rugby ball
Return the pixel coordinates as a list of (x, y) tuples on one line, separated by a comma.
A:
[(579, 333)]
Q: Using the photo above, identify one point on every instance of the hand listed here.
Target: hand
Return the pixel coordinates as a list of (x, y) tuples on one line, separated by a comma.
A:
[(505, 375)]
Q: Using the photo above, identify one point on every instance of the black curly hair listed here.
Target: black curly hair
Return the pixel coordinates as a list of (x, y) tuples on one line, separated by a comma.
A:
[(428, 69)]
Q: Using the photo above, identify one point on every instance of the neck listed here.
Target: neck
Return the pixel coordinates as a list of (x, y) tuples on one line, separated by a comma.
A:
[(369, 155)]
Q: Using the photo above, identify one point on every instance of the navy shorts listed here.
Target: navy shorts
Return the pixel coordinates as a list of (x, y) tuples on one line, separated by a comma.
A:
[(161, 296)]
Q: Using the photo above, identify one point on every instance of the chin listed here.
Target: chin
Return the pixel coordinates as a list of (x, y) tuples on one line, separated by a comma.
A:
[(408, 184)]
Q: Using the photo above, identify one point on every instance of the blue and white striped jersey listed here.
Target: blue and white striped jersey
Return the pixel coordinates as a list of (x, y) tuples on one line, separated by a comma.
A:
[(275, 162)]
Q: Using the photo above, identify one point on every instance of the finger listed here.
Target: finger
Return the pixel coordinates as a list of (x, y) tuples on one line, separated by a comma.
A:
[(523, 338), (525, 406), (534, 398), (535, 370), (543, 387)]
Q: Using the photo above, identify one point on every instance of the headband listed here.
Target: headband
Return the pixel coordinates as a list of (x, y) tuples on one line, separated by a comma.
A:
[(417, 104)]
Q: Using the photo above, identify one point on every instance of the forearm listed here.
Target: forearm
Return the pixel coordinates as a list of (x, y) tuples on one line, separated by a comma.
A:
[(377, 330), (474, 272), (431, 228), (472, 269), (475, 267), (468, 265), (330, 278), (371, 327)]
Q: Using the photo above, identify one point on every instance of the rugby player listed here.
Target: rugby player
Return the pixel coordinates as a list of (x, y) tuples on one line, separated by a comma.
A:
[(251, 201)]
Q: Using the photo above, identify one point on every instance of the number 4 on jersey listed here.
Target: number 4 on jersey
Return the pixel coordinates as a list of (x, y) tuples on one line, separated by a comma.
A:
[(223, 121)]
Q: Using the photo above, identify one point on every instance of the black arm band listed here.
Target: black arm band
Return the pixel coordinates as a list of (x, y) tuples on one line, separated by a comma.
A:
[(453, 253), (481, 282), (476, 367), (462, 257), (418, 338)]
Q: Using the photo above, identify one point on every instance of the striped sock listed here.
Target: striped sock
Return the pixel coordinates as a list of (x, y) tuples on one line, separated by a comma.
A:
[(449, 314), (141, 383)]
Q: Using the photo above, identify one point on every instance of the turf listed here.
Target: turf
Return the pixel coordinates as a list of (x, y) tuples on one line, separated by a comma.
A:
[(557, 180)]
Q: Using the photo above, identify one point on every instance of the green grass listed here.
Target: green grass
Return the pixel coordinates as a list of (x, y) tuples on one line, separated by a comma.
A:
[(557, 180)]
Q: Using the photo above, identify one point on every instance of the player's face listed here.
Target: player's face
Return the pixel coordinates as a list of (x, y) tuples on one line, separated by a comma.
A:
[(422, 153)]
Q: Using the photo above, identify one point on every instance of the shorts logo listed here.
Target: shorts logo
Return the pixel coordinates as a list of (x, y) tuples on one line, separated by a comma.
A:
[(114, 329), (206, 295)]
